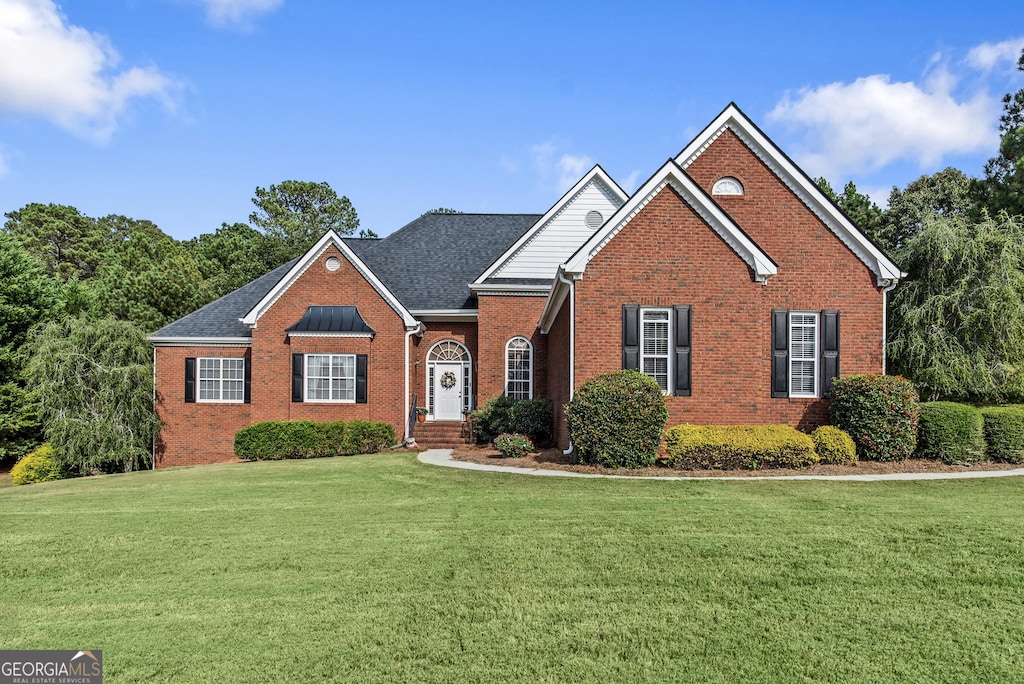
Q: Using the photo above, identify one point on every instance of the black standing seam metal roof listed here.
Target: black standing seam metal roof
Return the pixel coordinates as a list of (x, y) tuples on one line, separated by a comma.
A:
[(331, 319), (427, 264)]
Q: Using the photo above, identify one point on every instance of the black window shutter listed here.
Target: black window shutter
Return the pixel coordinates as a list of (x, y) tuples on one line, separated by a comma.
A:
[(829, 350), (297, 361), (780, 353), (190, 380), (681, 314), (360, 378), (630, 337), (248, 380)]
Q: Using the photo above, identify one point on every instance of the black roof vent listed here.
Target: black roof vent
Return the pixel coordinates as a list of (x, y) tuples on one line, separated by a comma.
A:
[(332, 319)]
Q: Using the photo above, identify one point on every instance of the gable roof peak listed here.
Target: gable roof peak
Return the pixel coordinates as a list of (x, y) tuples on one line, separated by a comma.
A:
[(306, 260), (785, 169)]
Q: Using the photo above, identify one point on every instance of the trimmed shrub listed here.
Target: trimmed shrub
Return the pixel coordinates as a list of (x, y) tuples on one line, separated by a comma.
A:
[(275, 440), (37, 466), (1004, 433), (834, 446), (951, 432), (368, 437), (512, 445), (880, 413), (615, 420), (530, 417), (724, 447)]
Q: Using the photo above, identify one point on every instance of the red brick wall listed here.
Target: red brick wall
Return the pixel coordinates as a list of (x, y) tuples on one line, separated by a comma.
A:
[(501, 318), (198, 433), (204, 433), (558, 372), (463, 333), (667, 255)]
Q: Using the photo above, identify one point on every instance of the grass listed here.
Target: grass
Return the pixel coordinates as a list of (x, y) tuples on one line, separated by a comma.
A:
[(379, 568)]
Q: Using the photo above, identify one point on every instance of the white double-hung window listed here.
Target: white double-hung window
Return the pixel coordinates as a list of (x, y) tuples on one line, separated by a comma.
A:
[(221, 379), (655, 345), (331, 377), (803, 354)]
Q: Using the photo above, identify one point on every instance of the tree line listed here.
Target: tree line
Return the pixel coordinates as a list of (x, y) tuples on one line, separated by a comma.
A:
[(78, 295)]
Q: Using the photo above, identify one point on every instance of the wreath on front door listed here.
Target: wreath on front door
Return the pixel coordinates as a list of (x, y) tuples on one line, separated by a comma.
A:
[(448, 380)]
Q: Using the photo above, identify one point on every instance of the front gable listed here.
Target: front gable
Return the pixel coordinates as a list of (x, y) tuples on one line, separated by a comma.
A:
[(732, 125), (566, 225), (330, 241)]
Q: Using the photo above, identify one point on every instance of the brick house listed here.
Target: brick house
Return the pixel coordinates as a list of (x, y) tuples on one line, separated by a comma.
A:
[(727, 276)]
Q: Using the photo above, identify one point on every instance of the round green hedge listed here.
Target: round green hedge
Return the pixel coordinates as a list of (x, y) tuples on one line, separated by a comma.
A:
[(834, 446), (1004, 433), (616, 419), (951, 432)]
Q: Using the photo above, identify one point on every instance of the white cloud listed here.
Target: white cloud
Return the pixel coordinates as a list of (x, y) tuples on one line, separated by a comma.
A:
[(867, 124), (237, 12), (988, 56), (571, 168), (64, 72), (630, 182)]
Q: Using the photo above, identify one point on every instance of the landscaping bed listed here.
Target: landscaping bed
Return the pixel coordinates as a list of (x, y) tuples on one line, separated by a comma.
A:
[(554, 459)]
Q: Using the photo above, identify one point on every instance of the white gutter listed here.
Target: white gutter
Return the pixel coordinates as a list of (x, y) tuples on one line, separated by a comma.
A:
[(572, 340), (890, 284), (154, 403), (419, 329)]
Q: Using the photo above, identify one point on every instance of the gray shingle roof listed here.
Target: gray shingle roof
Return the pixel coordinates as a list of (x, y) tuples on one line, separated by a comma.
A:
[(427, 264), (220, 317)]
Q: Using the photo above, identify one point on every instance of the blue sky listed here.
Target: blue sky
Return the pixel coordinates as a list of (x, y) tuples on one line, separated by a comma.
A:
[(176, 110)]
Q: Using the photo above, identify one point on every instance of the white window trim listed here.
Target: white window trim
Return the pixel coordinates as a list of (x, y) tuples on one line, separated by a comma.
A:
[(467, 374), (305, 380), (219, 380), (668, 356), (816, 360), (529, 361)]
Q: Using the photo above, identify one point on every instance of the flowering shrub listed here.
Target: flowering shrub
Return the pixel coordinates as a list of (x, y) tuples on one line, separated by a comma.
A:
[(880, 413), (512, 444)]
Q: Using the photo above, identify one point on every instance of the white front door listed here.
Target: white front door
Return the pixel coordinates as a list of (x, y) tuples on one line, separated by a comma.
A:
[(448, 391)]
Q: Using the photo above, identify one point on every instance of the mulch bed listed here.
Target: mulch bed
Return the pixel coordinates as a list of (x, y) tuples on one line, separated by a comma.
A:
[(554, 459)]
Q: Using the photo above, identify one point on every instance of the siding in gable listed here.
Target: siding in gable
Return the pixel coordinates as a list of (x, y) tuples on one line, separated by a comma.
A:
[(561, 236)]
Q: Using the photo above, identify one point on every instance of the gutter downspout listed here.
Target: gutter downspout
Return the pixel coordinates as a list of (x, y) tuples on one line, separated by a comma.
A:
[(153, 451), (572, 340), (885, 318), (419, 329)]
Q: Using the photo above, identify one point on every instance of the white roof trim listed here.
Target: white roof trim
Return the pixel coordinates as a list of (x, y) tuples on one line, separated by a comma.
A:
[(445, 314), (559, 291), (159, 341), (732, 118), (670, 175), (329, 238), (325, 333), (521, 288), (595, 173)]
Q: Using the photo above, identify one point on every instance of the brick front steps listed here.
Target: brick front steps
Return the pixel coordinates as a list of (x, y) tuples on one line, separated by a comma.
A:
[(442, 434)]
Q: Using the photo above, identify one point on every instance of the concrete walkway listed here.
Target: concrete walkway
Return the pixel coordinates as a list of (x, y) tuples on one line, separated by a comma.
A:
[(443, 457)]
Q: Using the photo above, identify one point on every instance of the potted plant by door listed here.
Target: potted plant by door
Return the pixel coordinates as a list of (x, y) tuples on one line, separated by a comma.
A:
[(421, 414), (467, 415)]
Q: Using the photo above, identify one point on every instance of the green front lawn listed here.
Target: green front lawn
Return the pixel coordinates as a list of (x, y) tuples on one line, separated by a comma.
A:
[(379, 568)]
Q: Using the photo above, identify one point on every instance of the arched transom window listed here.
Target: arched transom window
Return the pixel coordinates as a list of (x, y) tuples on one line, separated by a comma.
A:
[(519, 368)]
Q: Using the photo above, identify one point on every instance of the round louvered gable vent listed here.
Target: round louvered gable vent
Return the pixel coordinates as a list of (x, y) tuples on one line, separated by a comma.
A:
[(594, 220)]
